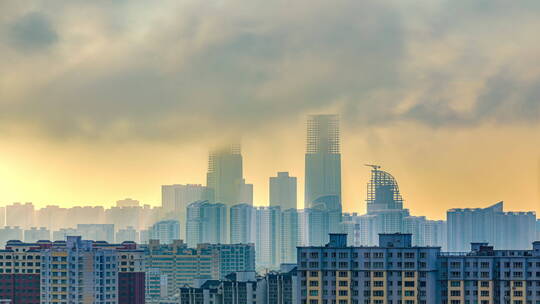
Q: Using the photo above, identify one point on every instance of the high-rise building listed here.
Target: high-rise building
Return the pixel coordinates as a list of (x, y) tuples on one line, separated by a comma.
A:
[(127, 234), (322, 159), (206, 223), (176, 198), (231, 257), (10, 233), (241, 224), (267, 236), (289, 235), (165, 231), (245, 195), (393, 272), (98, 232), (283, 191), (506, 230), (21, 215), (225, 175), (182, 265), (312, 227), (82, 271), (37, 234)]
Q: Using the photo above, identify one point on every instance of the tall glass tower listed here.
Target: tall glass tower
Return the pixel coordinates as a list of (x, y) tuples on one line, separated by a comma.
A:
[(323, 163)]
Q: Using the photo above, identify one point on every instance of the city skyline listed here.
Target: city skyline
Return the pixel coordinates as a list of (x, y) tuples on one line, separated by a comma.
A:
[(131, 95), (358, 193)]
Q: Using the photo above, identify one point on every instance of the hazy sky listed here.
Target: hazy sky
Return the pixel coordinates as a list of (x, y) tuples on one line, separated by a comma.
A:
[(101, 100)]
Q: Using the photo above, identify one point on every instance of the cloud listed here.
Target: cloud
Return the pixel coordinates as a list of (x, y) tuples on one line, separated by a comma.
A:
[(184, 70), (32, 32)]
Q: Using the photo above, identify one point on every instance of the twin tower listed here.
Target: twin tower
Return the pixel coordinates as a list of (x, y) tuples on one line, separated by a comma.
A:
[(226, 183)]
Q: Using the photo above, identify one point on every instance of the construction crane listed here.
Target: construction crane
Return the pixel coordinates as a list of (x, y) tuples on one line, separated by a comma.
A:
[(375, 167)]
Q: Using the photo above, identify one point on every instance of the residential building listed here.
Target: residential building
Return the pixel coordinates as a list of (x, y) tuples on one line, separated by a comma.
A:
[(165, 231), (505, 230), (34, 234), (289, 235), (393, 272), (241, 224), (206, 223), (231, 257), (267, 236)]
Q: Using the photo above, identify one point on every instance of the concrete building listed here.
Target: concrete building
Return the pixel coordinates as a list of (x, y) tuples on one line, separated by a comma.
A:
[(181, 265), (10, 233), (267, 236), (322, 159), (242, 224), (72, 271), (176, 198), (127, 234), (289, 235), (165, 231), (98, 232), (283, 191), (34, 234), (393, 272), (231, 257), (505, 230), (206, 223), (21, 215)]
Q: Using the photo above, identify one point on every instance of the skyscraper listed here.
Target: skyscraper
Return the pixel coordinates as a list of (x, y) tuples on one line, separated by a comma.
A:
[(323, 159), (225, 177), (283, 191)]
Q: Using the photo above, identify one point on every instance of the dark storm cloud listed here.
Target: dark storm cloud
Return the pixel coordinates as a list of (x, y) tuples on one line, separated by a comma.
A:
[(169, 70), (32, 32)]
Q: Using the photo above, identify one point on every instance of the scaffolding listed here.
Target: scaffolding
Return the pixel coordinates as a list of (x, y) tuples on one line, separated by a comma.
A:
[(383, 189)]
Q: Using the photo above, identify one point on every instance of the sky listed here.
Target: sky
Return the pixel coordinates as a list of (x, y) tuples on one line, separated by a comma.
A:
[(103, 100)]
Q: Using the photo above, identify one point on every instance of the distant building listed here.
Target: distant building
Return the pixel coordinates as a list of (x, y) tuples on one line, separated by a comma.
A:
[(225, 175), (21, 215), (206, 223), (176, 198), (505, 230), (98, 232), (127, 203), (268, 236), (34, 234), (242, 224), (283, 191), (127, 234), (165, 231), (289, 235), (231, 257), (63, 233), (322, 159), (10, 233)]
